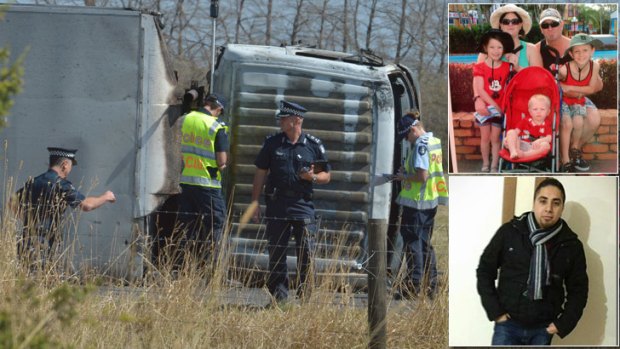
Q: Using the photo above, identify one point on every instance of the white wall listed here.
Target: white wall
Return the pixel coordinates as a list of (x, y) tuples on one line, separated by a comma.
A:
[(475, 214), (590, 210)]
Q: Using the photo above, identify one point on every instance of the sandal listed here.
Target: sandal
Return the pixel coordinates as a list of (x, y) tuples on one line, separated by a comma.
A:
[(494, 170), (484, 169)]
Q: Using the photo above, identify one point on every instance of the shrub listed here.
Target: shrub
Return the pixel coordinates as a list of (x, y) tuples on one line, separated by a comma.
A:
[(461, 90), (465, 40), (535, 35), (607, 98)]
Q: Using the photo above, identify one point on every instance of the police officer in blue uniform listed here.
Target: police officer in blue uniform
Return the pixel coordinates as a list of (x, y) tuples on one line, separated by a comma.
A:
[(42, 202), (290, 162)]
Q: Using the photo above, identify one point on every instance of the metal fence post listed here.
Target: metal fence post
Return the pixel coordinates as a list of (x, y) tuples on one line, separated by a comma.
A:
[(377, 263)]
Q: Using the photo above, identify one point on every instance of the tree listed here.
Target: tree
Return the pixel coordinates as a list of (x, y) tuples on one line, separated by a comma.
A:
[(11, 82), (239, 25), (298, 21), (401, 29), (371, 18), (322, 25), (345, 29), (589, 16), (268, 31)]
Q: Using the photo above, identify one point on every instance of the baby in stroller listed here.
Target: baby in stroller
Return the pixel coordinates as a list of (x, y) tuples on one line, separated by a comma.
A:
[(533, 135)]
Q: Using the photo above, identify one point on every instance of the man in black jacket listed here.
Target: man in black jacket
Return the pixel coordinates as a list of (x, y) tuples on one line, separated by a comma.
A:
[(543, 284)]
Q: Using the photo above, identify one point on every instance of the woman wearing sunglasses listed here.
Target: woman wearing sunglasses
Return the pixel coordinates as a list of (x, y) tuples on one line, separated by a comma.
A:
[(516, 22)]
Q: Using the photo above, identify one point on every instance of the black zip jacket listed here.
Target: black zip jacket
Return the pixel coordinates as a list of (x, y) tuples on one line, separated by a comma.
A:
[(509, 253)]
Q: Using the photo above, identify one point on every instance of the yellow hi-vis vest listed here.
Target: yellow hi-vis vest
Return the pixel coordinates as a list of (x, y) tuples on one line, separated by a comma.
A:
[(433, 192), (197, 146)]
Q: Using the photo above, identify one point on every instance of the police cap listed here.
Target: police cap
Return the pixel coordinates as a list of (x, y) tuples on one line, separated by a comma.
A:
[(290, 109), (56, 153), (404, 124), (217, 99)]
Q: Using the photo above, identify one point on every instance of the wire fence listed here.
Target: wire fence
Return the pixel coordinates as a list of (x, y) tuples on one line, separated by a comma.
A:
[(331, 292), (160, 246)]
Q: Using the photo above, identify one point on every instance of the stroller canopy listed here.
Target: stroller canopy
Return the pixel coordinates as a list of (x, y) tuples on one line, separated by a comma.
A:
[(527, 82)]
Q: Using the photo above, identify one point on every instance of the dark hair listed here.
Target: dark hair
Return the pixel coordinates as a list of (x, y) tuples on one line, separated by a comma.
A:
[(551, 182), (521, 32), (211, 102), (57, 160)]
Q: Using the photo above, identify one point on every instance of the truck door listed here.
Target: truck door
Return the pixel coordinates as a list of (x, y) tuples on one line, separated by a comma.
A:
[(405, 99)]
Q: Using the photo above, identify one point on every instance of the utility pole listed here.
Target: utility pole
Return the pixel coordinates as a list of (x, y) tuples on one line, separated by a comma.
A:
[(377, 269), (214, 12)]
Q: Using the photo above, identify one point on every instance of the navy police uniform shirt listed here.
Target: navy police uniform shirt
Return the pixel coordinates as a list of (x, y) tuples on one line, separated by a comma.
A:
[(48, 195), (285, 160)]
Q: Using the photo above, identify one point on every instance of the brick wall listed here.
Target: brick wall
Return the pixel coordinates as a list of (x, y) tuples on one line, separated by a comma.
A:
[(603, 146)]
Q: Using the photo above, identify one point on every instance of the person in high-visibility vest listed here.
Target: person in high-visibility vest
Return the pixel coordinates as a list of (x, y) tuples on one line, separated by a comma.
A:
[(204, 145), (423, 189)]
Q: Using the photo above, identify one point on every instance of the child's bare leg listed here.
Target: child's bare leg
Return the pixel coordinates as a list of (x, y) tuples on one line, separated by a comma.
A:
[(485, 134), (590, 126), (511, 142), (577, 132), (565, 131), (495, 145), (538, 149)]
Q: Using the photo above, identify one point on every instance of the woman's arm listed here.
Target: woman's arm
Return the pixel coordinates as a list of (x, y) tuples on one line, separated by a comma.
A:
[(533, 56)]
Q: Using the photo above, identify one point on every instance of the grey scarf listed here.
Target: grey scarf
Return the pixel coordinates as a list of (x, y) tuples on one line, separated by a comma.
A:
[(539, 264)]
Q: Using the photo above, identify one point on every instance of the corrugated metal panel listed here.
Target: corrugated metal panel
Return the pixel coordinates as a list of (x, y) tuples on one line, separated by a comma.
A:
[(349, 106)]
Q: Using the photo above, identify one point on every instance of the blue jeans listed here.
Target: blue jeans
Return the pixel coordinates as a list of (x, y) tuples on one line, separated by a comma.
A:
[(417, 230), (279, 232), (510, 332)]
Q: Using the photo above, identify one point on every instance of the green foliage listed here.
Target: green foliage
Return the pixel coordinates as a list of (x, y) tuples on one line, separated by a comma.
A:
[(465, 40), (65, 299), (28, 318), (10, 77), (535, 34), (607, 98), (11, 82)]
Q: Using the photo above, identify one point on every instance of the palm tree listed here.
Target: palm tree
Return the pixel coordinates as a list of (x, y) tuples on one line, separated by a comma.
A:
[(589, 16)]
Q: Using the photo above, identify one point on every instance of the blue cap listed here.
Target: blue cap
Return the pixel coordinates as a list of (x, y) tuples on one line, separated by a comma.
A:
[(404, 124), (290, 109), (62, 153), (218, 99)]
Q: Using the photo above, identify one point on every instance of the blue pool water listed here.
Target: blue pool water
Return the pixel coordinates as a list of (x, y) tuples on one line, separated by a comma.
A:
[(610, 54)]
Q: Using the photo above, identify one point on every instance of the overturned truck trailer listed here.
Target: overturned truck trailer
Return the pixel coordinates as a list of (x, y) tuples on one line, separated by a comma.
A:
[(354, 103), (96, 80)]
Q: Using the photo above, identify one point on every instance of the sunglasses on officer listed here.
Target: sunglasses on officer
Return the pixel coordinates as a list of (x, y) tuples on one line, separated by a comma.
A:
[(513, 21), (552, 24)]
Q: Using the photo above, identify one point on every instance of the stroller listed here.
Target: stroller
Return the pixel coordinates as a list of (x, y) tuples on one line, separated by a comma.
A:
[(527, 82)]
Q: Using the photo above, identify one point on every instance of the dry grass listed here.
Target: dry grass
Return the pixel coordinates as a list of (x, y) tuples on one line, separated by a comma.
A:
[(50, 310)]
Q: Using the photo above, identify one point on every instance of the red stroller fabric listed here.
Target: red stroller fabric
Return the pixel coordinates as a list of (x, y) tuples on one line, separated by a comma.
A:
[(526, 83)]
